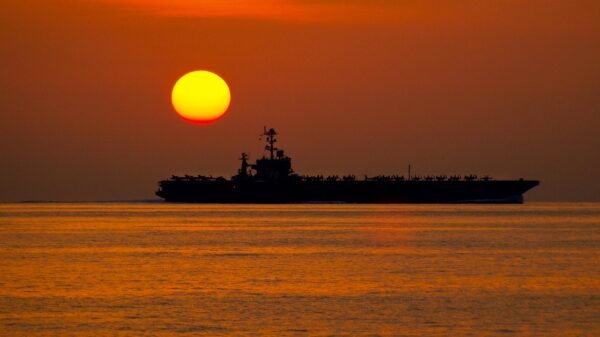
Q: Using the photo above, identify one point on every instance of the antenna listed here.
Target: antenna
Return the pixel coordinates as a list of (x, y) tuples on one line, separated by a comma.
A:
[(244, 168), (271, 140)]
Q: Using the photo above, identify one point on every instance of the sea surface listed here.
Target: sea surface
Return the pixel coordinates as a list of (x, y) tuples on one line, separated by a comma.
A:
[(154, 269)]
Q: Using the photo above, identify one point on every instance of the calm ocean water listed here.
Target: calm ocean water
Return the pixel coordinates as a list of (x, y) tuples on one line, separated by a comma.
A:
[(303, 270)]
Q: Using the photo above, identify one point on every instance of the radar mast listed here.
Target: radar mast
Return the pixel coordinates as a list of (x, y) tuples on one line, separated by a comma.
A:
[(271, 140)]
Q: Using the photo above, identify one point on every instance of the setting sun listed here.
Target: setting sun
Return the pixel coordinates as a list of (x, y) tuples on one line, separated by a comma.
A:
[(201, 97)]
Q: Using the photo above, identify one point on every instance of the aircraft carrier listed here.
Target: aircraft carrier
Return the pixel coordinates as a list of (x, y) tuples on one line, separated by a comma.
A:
[(271, 180)]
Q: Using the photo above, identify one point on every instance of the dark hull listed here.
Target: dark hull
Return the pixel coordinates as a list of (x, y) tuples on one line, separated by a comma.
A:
[(225, 191)]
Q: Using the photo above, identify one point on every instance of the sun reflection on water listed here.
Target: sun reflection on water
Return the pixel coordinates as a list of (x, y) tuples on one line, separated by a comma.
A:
[(183, 270)]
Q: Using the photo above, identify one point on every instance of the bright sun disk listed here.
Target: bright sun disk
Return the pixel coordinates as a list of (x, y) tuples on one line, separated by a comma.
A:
[(201, 97)]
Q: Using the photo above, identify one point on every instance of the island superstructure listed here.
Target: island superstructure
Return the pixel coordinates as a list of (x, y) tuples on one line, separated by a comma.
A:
[(271, 179)]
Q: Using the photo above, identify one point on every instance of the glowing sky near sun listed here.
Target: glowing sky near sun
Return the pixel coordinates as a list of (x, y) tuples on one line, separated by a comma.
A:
[(399, 12), (291, 10), (235, 8)]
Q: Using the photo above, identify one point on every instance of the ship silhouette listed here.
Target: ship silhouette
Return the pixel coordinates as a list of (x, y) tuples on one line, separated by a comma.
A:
[(271, 180)]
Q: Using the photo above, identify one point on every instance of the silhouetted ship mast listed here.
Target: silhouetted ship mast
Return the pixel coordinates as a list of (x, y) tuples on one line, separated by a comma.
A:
[(272, 180)]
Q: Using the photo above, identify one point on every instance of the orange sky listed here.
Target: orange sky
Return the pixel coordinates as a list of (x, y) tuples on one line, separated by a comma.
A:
[(507, 88)]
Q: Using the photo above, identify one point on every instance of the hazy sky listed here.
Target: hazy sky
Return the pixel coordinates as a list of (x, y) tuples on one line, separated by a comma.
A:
[(506, 88)]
